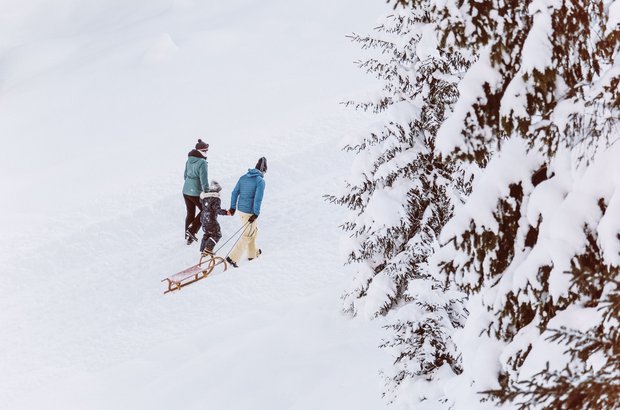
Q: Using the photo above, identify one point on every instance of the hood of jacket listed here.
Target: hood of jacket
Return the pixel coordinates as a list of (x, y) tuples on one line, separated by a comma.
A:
[(253, 172), (196, 154), (209, 194)]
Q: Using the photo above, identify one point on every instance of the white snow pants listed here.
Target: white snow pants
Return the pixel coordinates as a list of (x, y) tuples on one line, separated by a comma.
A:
[(247, 241)]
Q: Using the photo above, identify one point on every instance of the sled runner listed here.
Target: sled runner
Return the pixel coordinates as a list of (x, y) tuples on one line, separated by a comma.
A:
[(194, 273)]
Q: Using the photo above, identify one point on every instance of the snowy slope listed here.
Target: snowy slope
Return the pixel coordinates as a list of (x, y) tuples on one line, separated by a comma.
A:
[(99, 103)]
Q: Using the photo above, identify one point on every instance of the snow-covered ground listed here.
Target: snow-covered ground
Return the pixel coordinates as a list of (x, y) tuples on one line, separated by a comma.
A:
[(100, 102)]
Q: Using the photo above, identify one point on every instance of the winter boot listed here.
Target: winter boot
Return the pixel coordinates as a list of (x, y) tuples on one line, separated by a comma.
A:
[(257, 254), (191, 238), (231, 262)]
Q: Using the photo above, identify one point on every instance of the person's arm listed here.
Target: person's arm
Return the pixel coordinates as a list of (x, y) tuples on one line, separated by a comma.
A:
[(217, 207), (204, 176), (234, 196), (258, 196)]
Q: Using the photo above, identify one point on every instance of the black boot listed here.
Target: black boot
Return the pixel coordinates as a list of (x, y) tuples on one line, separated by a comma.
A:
[(257, 254), (191, 238), (231, 262)]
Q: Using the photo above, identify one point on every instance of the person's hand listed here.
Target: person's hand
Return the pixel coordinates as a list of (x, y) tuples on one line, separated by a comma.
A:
[(252, 218), (231, 211)]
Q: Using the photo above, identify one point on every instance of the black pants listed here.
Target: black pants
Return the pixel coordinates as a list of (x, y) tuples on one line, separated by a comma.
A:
[(209, 239), (192, 221)]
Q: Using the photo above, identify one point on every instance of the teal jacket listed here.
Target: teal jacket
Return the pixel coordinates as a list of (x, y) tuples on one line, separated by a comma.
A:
[(196, 174)]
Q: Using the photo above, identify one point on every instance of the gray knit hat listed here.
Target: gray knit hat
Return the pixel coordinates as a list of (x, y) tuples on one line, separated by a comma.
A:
[(214, 186)]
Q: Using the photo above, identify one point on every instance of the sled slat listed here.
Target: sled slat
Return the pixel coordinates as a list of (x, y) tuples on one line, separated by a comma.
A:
[(194, 273)]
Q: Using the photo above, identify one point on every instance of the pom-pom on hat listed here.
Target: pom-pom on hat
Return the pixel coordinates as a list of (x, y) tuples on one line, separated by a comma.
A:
[(261, 165), (201, 145)]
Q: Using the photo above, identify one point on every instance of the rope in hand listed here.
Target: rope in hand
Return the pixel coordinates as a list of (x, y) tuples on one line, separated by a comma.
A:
[(231, 237)]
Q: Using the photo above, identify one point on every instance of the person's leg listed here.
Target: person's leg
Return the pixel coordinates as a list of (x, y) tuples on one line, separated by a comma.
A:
[(214, 237), (190, 209), (195, 224), (205, 239), (252, 235), (242, 243)]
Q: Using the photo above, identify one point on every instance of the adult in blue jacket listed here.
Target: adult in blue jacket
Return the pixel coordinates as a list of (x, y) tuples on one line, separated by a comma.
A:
[(196, 181), (246, 198)]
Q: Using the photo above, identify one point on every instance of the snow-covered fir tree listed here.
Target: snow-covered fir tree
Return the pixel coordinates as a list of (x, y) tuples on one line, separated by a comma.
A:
[(400, 195), (536, 245), (579, 384)]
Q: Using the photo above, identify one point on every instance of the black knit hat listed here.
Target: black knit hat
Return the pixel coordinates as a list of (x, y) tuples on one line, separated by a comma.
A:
[(201, 145), (261, 165)]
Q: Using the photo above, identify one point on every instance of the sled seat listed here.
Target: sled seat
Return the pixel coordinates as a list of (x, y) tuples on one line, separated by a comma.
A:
[(194, 273)]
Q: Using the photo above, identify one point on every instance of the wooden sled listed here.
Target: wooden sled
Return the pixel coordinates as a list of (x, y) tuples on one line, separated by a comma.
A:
[(194, 273)]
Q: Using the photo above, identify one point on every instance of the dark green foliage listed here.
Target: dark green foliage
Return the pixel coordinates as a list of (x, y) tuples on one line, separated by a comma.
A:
[(564, 101), (489, 253), (429, 85), (419, 87), (578, 385)]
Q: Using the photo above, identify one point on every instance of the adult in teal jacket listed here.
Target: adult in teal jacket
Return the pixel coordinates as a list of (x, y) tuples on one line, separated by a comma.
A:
[(247, 197), (196, 181)]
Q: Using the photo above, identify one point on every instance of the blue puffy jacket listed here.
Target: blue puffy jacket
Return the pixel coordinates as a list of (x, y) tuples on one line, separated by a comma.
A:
[(196, 175), (248, 193)]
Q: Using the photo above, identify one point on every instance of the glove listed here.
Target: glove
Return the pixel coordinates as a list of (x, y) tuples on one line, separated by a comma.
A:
[(252, 218), (231, 211)]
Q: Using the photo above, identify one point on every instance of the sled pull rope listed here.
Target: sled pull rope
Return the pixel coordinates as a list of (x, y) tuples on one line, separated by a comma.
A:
[(231, 237)]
